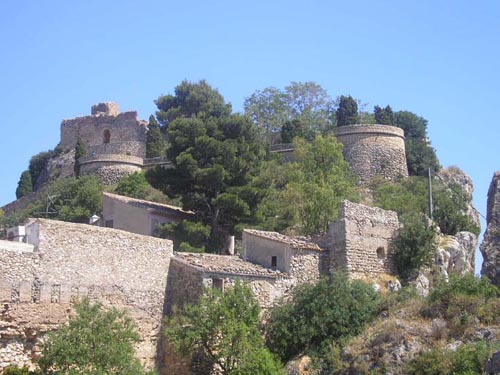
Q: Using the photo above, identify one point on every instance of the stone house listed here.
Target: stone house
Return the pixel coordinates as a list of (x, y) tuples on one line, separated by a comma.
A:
[(137, 215)]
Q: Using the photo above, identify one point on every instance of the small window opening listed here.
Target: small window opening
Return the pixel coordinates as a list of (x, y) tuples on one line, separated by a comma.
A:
[(380, 253), (10, 236), (218, 284), (106, 136), (108, 223), (274, 261)]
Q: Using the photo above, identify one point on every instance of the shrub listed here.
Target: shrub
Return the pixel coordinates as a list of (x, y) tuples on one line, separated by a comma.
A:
[(318, 314), (414, 247)]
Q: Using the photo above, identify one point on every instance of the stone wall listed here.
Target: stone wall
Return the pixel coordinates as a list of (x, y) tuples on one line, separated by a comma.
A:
[(374, 150), (121, 269), (308, 266), (135, 148), (362, 240), (122, 127)]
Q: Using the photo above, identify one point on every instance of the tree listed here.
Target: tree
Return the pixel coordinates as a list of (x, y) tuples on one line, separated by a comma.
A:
[(94, 342), (420, 156), (318, 315), (80, 151), (347, 111), (214, 154), (191, 100), (133, 185), (306, 102), (290, 130), (316, 182), (74, 199), (225, 329), (154, 139), (37, 164), (25, 185), (384, 116)]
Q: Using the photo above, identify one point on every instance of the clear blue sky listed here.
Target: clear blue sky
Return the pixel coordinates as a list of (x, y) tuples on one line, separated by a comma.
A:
[(439, 59)]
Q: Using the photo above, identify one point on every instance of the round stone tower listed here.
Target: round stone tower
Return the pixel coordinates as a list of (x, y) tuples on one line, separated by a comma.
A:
[(374, 150)]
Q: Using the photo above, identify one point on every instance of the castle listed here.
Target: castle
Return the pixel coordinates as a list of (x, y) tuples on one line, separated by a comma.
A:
[(56, 262)]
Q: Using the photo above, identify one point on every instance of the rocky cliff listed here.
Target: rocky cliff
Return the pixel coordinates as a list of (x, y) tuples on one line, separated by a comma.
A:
[(490, 247)]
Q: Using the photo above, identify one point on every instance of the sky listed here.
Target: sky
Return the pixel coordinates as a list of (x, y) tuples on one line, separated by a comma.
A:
[(436, 58)]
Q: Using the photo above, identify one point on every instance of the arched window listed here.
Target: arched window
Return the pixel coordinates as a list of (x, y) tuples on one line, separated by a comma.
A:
[(106, 136), (381, 253)]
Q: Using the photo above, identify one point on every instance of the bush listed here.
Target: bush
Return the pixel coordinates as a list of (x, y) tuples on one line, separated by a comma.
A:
[(414, 247), (13, 370), (133, 185), (318, 314), (94, 342)]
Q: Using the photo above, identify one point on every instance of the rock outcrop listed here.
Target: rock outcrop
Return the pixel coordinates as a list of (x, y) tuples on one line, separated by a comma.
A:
[(490, 247), (456, 254), (455, 177)]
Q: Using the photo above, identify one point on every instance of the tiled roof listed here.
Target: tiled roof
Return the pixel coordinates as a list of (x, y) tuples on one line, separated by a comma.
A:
[(295, 242), (230, 264), (147, 204)]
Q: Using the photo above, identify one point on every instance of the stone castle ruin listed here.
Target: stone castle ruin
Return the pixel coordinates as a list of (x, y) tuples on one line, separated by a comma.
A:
[(53, 263)]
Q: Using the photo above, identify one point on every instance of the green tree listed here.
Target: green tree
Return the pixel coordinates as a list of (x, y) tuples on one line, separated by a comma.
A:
[(420, 156), (347, 111), (384, 116), (316, 182), (133, 185), (187, 235), (94, 342), (290, 130), (25, 185), (414, 246), (225, 329), (214, 154), (154, 139), (74, 199), (37, 164), (306, 102), (191, 99), (80, 151), (317, 315)]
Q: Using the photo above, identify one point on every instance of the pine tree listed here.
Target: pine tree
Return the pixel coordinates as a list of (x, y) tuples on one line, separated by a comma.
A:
[(154, 139), (347, 112)]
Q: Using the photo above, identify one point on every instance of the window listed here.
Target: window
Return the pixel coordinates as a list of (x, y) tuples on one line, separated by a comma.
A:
[(218, 284), (108, 223), (106, 136), (274, 261), (381, 253)]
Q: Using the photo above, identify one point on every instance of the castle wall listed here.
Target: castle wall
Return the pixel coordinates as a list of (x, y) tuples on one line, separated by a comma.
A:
[(374, 150), (362, 240), (118, 268), (122, 127)]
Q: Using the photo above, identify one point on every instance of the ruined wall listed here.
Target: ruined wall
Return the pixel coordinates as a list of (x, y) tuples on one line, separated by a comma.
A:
[(362, 240), (308, 266), (121, 269), (374, 150), (125, 130)]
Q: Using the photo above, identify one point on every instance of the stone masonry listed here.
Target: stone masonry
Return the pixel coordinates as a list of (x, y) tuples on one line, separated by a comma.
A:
[(66, 261), (374, 150), (361, 240)]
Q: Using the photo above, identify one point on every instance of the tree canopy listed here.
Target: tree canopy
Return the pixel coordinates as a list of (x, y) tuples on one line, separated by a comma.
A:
[(316, 182), (384, 116), (96, 342), (214, 154), (420, 156), (25, 185), (306, 102), (225, 329), (347, 111), (155, 145)]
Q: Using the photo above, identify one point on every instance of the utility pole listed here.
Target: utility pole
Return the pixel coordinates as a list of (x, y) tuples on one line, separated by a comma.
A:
[(431, 206)]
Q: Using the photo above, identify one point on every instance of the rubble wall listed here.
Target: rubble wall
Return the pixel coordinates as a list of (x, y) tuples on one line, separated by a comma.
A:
[(118, 268)]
